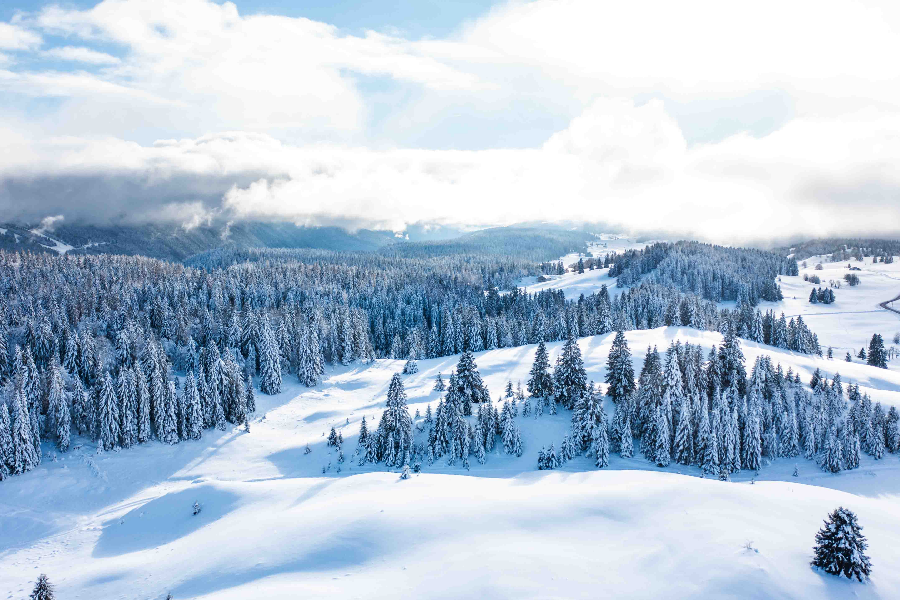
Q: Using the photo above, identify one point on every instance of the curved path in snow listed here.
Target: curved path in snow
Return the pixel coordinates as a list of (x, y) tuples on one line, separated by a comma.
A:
[(885, 306)]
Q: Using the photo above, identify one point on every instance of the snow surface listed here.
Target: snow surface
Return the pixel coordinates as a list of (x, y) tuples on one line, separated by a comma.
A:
[(849, 322), (273, 525), (574, 284)]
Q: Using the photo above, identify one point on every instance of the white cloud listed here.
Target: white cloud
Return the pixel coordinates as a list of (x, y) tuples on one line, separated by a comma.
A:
[(13, 37), (81, 54), (617, 163)]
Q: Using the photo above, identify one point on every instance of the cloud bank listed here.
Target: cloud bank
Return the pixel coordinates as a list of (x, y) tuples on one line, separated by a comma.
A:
[(207, 113)]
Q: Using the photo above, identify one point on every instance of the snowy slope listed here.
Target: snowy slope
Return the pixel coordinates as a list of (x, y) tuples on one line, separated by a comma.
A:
[(574, 284), (849, 322), (273, 525)]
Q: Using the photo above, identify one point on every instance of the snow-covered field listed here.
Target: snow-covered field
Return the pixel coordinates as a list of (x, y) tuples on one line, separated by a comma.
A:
[(575, 284), (273, 525), (849, 322)]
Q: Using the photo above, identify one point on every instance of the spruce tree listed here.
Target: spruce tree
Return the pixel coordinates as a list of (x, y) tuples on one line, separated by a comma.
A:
[(877, 357), (108, 414), (619, 370), (396, 427), (540, 383), (840, 546), (43, 589), (684, 437), (569, 377)]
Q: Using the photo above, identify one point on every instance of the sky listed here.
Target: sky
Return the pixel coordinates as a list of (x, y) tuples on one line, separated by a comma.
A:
[(725, 121)]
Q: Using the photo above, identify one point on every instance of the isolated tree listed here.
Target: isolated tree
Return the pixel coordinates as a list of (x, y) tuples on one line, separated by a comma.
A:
[(877, 357), (619, 370), (396, 427), (43, 589), (439, 385), (840, 546)]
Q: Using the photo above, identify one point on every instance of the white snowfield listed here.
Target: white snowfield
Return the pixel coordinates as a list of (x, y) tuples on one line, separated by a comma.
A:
[(273, 525), (849, 322)]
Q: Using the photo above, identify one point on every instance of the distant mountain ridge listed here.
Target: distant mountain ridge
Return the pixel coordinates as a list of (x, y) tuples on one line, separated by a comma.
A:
[(175, 243)]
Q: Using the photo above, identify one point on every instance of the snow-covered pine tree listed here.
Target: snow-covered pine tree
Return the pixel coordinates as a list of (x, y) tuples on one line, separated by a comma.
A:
[(108, 414), (270, 361), (439, 385), (411, 367), (469, 384), (832, 459), (569, 377), (193, 413), (684, 436), (127, 408), (509, 393), (840, 546), (540, 382), (7, 454), (395, 427), (626, 443), (168, 433), (619, 370), (850, 445), (43, 589), (660, 442), (250, 395), (142, 403)]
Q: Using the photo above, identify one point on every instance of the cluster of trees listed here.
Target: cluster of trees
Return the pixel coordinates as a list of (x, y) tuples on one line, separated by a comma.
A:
[(711, 413), (844, 249), (86, 324), (852, 279), (821, 296), (715, 273), (448, 432)]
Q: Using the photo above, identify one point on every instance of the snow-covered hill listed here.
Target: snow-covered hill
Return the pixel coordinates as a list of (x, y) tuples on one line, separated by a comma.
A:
[(274, 525)]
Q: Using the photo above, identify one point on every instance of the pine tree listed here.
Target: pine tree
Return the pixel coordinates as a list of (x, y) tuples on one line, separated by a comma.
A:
[(270, 362), (840, 547), (684, 437), (439, 385), (540, 383), (662, 456), (411, 367), (7, 453), (168, 434), (127, 408), (193, 427), (509, 393), (469, 385), (877, 357), (395, 428), (569, 377), (108, 415), (43, 590), (143, 406), (619, 370), (709, 446), (248, 390), (832, 460), (851, 448)]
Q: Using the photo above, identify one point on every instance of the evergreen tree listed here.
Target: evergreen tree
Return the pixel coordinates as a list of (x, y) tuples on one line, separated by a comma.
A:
[(832, 460), (396, 427), (7, 454), (25, 457), (877, 355), (43, 590), (569, 377), (840, 547), (193, 427), (439, 385), (469, 386), (684, 438), (270, 362), (619, 370), (108, 415), (660, 443), (540, 383)]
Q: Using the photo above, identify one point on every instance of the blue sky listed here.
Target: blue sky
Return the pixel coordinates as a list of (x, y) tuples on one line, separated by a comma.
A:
[(700, 116)]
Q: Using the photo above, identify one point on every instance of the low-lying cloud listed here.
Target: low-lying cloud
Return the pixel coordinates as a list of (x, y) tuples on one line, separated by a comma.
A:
[(619, 163)]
